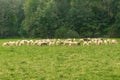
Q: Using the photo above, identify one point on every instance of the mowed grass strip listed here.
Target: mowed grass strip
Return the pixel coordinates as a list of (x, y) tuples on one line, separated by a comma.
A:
[(60, 62)]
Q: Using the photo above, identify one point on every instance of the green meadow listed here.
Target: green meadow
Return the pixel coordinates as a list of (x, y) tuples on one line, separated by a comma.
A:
[(60, 62)]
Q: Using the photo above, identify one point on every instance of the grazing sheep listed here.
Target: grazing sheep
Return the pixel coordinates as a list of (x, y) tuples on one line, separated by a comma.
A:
[(113, 41), (68, 42), (99, 42), (105, 42), (11, 43), (5, 44), (35, 43), (74, 43), (51, 43), (59, 42), (89, 42), (21, 43), (81, 40), (44, 43), (30, 42), (17, 42), (39, 44), (85, 43), (108, 41)]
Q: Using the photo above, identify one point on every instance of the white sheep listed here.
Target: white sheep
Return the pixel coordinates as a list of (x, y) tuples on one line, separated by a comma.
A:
[(108, 41), (74, 43), (105, 42), (67, 42), (11, 43), (113, 41), (21, 43), (81, 40), (51, 43), (5, 44), (99, 42), (85, 43)]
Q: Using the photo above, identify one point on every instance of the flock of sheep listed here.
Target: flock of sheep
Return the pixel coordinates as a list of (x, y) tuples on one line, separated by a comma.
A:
[(68, 42)]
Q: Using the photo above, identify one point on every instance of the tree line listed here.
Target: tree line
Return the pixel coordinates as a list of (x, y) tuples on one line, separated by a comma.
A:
[(59, 18)]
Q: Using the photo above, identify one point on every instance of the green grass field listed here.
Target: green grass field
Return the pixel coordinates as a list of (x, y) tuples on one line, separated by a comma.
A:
[(60, 62)]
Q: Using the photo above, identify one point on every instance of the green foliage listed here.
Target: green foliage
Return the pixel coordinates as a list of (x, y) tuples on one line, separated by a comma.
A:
[(43, 18), (72, 34), (9, 17), (61, 32)]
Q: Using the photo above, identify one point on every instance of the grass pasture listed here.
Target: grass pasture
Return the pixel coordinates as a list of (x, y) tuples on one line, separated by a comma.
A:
[(60, 62)]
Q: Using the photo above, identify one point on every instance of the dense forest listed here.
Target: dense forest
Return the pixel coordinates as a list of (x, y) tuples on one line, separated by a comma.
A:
[(59, 18)]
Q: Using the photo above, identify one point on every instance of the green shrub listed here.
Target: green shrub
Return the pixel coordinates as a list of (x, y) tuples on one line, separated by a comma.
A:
[(72, 34), (60, 33)]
